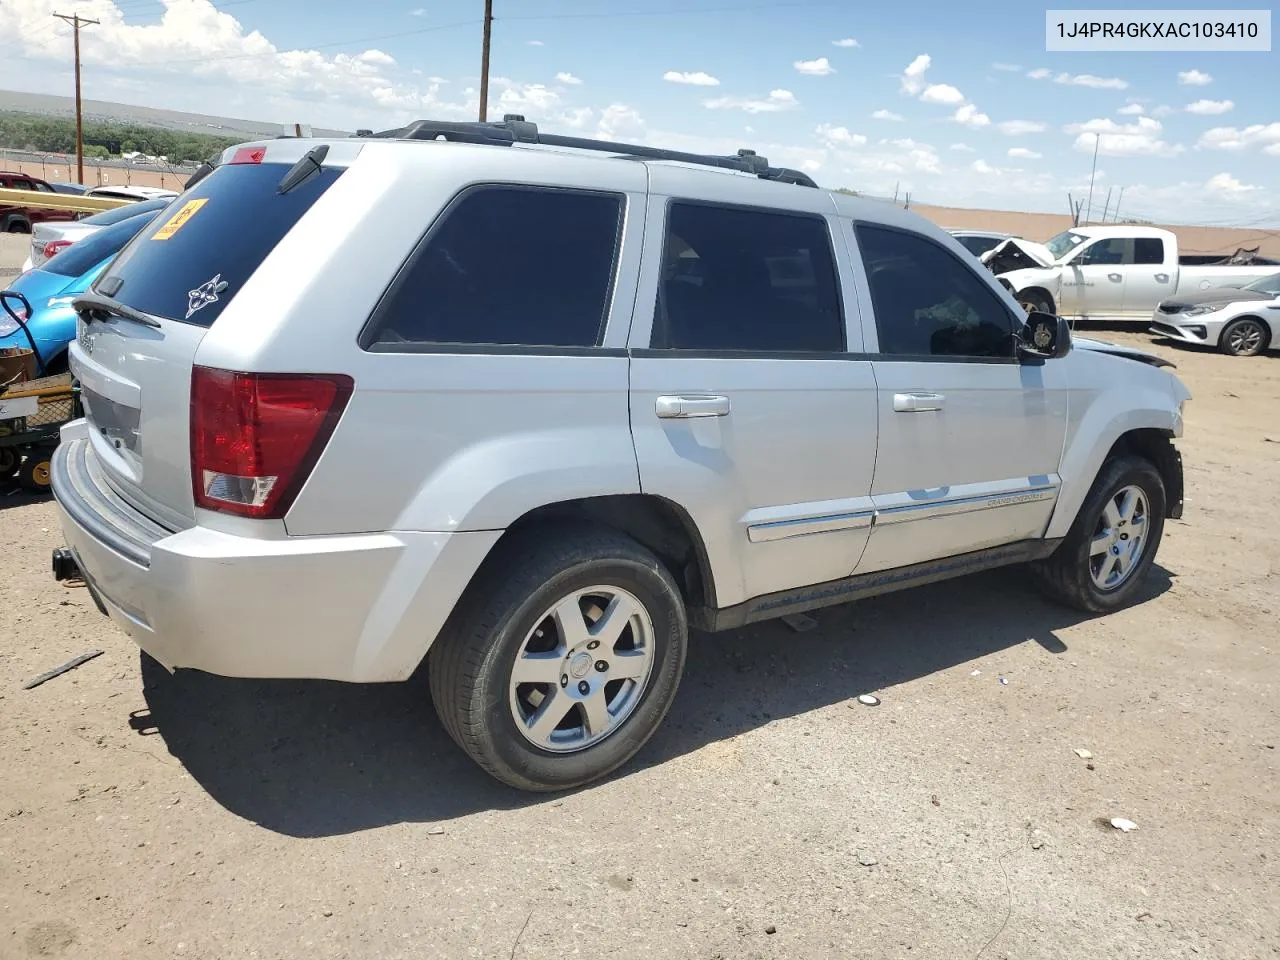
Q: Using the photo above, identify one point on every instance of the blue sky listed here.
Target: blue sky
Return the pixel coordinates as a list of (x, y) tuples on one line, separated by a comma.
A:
[(957, 107)]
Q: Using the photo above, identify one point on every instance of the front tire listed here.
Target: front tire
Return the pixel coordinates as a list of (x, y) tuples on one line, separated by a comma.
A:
[(1101, 563), (1246, 337), (562, 659), (1034, 301)]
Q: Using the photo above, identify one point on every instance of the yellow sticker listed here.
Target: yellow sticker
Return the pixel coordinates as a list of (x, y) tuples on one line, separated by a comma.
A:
[(179, 219)]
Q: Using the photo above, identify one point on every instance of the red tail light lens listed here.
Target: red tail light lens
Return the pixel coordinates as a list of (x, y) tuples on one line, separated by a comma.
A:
[(52, 248), (255, 437), (249, 155)]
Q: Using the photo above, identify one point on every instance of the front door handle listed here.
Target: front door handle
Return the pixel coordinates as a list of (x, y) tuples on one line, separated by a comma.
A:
[(687, 407), (917, 402), (1162, 277), (1115, 277)]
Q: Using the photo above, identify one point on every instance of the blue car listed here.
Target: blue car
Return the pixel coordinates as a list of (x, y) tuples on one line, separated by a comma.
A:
[(52, 286)]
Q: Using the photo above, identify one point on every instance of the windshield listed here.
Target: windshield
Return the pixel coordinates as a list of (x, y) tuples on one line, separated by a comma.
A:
[(107, 242), (1269, 285), (1064, 243)]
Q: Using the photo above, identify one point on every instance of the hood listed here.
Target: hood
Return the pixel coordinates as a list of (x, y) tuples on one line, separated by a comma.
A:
[(1017, 254), (1117, 350), (1222, 295)]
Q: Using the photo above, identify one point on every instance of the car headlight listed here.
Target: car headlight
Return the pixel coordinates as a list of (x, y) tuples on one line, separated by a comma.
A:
[(1202, 308)]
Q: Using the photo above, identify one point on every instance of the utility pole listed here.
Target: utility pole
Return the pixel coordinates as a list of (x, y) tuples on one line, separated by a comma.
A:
[(1097, 139), (484, 61), (1107, 206), (77, 22), (1115, 216)]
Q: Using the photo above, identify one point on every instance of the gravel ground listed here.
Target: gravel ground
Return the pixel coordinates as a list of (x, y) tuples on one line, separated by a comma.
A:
[(155, 816)]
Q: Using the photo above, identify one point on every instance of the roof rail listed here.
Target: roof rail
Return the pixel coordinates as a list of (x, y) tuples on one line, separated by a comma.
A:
[(515, 129)]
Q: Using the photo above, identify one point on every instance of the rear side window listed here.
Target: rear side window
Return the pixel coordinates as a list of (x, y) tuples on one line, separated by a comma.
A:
[(753, 280), (77, 259), (1148, 250), (507, 265), (195, 256)]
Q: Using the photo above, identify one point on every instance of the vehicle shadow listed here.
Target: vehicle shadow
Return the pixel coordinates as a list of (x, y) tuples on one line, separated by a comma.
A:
[(12, 495), (315, 758)]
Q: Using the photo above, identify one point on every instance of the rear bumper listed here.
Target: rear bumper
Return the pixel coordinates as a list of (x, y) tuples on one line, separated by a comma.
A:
[(355, 608)]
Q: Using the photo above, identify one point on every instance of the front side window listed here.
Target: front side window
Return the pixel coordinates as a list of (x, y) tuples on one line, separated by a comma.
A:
[(747, 280), (1104, 253), (517, 266), (927, 302)]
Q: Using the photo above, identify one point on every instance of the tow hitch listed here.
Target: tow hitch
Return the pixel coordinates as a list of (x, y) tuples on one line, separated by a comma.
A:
[(65, 566)]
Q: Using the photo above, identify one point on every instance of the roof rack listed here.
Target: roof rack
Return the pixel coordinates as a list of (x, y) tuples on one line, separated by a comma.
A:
[(515, 129)]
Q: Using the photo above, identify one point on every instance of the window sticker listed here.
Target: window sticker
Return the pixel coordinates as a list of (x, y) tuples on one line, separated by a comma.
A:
[(205, 294), (179, 219)]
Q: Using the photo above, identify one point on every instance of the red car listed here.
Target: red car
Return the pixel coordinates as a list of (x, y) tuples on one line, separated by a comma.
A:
[(19, 219)]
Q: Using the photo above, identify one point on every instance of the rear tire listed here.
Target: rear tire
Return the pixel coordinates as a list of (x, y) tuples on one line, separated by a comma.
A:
[(10, 461), (596, 627), (1101, 563), (1246, 337)]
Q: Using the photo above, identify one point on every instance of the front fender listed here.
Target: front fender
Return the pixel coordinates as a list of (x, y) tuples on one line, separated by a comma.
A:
[(1108, 415), (1029, 277)]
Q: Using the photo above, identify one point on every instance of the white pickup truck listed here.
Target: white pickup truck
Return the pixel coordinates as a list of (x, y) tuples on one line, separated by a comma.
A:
[(1112, 273)]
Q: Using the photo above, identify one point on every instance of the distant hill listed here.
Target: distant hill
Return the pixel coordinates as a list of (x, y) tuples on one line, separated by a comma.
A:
[(48, 104)]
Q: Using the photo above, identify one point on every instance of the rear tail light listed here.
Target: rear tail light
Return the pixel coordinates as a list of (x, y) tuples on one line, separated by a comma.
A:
[(52, 248), (255, 437)]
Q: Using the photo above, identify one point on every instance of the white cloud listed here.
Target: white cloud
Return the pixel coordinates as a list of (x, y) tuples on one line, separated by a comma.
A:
[(846, 42), (776, 101), (1040, 74), (942, 93), (1017, 128), (568, 78), (981, 166), (1210, 108), (693, 78), (1224, 184), (886, 115), (534, 98), (620, 122), (1007, 67), (1194, 78), (839, 136), (1022, 153), (1141, 138), (1273, 150), (419, 12), (970, 117), (962, 148), (1233, 138), (1132, 110), (815, 68), (1089, 80), (534, 43), (913, 76)]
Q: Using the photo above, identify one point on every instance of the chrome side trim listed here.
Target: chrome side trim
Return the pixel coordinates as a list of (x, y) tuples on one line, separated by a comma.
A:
[(783, 529), (959, 505)]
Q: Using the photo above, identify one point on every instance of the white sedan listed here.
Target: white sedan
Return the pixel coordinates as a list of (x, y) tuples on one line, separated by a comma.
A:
[(1239, 321)]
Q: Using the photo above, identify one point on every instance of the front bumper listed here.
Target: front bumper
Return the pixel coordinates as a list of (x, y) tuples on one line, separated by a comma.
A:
[(361, 607), (1198, 329)]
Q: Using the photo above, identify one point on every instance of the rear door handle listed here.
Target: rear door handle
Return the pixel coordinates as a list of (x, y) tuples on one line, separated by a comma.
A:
[(688, 407), (917, 402), (1115, 277)]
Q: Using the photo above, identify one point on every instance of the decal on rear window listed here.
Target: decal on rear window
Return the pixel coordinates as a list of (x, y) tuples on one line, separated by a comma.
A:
[(179, 219), (205, 294)]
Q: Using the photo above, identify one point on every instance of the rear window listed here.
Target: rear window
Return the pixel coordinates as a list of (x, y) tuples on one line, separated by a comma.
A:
[(193, 258), (77, 259), (107, 217)]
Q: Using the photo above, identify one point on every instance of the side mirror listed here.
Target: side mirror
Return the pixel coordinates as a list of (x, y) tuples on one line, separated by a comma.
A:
[(1044, 336)]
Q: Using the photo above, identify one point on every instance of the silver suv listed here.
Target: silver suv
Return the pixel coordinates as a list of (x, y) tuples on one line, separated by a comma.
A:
[(529, 409)]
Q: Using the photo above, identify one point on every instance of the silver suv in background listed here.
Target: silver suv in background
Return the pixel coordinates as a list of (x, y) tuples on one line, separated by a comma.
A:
[(529, 408)]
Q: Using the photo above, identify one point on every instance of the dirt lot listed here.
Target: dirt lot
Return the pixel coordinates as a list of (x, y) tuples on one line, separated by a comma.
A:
[(150, 816)]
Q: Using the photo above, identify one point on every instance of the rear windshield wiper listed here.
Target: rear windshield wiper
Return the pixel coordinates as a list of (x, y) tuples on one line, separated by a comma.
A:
[(304, 169), (94, 306)]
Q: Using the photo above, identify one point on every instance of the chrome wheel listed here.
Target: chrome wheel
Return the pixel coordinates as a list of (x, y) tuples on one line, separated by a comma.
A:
[(1245, 338), (582, 669), (1119, 538)]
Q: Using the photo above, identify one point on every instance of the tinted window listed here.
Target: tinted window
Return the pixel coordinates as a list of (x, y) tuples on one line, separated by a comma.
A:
[(80, 257), (23, 185), (216, 245), (747, 280), (978, 245), (509, 265), (107, 217), (927, 302), (1104, 252), (1148, 250)]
